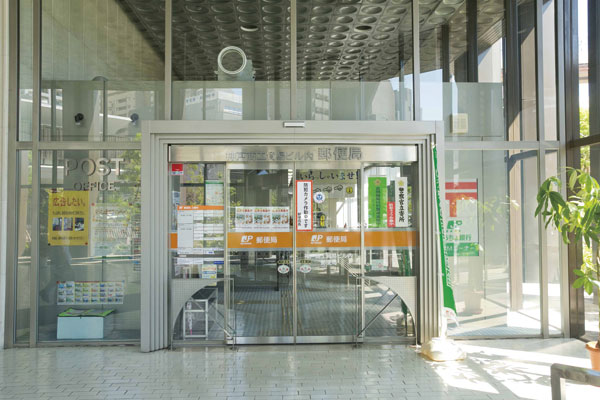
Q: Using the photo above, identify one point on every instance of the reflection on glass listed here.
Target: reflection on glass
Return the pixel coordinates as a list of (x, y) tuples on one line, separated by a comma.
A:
[(590, 162), (25, 69), (100, 58), (198, 251), (355, 61), (492, 242), (464, 90), (260, 251), (231, 60), (90, 253), (553, 243), (24, 176), (390, 246), (328, 257)]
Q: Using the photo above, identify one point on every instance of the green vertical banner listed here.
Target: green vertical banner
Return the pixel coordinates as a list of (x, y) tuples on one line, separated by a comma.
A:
[(377, 202), (449, 304)]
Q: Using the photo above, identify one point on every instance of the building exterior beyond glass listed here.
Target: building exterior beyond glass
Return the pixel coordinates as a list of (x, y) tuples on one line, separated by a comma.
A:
[(270, 237)]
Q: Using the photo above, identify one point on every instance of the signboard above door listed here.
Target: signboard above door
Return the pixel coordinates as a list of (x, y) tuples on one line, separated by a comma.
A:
[(315, 153)]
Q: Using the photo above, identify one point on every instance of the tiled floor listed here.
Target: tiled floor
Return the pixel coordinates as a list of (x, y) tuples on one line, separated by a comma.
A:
[(507, 369)]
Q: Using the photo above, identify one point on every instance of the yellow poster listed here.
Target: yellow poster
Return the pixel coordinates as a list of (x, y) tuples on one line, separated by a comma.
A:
[(68, 216)]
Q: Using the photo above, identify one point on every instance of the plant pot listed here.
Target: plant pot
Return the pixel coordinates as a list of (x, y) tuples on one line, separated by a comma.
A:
[(594, 355)]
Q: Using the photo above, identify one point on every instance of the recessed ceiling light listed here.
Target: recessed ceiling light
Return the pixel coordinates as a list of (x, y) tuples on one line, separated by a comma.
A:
[(249, 28)]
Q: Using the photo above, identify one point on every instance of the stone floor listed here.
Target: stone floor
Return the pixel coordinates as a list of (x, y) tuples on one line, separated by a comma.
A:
[(495, 369)]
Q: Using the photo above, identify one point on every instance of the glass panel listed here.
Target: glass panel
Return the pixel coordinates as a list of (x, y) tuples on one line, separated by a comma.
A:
[(101, 57), (355, 61), (527, 56), (24, 176), (260, 250), (590, 162), (25, 69), (493, 241), (390, 204), (328, 254), (468, 98), (231, 60), (89, 261), (549, 70), (584, 87), (553, 252), (198, 251)]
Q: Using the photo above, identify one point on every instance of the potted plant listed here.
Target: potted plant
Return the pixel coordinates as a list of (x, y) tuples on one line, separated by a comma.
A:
[(576, 218)]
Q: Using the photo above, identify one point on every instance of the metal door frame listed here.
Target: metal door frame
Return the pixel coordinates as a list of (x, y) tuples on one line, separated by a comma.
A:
[(157, 136)]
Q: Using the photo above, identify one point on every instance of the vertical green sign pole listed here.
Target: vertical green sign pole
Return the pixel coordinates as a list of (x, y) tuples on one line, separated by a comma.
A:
[(449, 304)]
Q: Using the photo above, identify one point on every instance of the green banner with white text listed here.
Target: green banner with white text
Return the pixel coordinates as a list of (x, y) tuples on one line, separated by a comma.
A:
[(449, 303)]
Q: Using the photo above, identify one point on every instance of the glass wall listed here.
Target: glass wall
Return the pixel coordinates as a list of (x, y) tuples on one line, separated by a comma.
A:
[(102, 67), (25, 69), (89, 261), (355, 60), (103, 72), (492, 242), (23, 271), (462, 68), (231, 60)]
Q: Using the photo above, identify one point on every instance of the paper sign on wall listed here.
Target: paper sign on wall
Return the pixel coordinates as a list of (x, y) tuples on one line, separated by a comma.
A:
[(304, 205), (68, 218)]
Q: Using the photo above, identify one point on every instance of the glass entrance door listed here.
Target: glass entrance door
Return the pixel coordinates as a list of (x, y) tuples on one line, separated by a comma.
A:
[(260, 250), (293, 251), (328, 263)]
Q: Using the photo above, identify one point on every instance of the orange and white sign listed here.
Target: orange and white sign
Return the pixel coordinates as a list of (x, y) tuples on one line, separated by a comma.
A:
[(391, 239), (259, 240), (198, 208), (327, 239)]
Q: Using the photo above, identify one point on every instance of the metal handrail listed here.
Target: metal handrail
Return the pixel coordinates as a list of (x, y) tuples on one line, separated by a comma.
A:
[(560, 372), (368, 324), (228, 330)]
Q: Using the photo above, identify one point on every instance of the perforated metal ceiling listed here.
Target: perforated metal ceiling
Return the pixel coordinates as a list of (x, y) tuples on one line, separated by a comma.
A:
[(337, 39)]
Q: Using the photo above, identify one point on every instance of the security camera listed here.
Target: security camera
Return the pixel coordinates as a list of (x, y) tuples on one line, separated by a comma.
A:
[(78, 118), (134, 118)]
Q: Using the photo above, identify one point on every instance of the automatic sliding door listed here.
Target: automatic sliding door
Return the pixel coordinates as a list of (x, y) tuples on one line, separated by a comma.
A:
[(328, 256), (390, 240), (260, 249)]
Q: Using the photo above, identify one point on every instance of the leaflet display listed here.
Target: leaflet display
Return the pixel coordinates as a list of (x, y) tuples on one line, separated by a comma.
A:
[(262, 219), (84, 292), (199, 241)]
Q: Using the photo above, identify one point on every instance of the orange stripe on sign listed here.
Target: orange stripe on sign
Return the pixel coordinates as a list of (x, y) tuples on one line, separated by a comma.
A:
[(327, 239), (259, 240), (391, 238), (199, 207), (173, 240)]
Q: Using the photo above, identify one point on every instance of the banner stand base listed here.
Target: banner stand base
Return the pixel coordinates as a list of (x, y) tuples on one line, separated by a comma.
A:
[(443, 349)]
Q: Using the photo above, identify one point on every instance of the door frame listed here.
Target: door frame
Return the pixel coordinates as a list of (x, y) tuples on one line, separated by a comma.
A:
[(157, 136)]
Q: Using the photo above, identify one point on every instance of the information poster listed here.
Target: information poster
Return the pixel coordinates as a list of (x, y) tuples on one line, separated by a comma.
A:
[(110, 230), (377, 201), (200, 229), (304, 206), (262, 219), (214, 193), (462, 226), (83, 292), (68, 218)]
